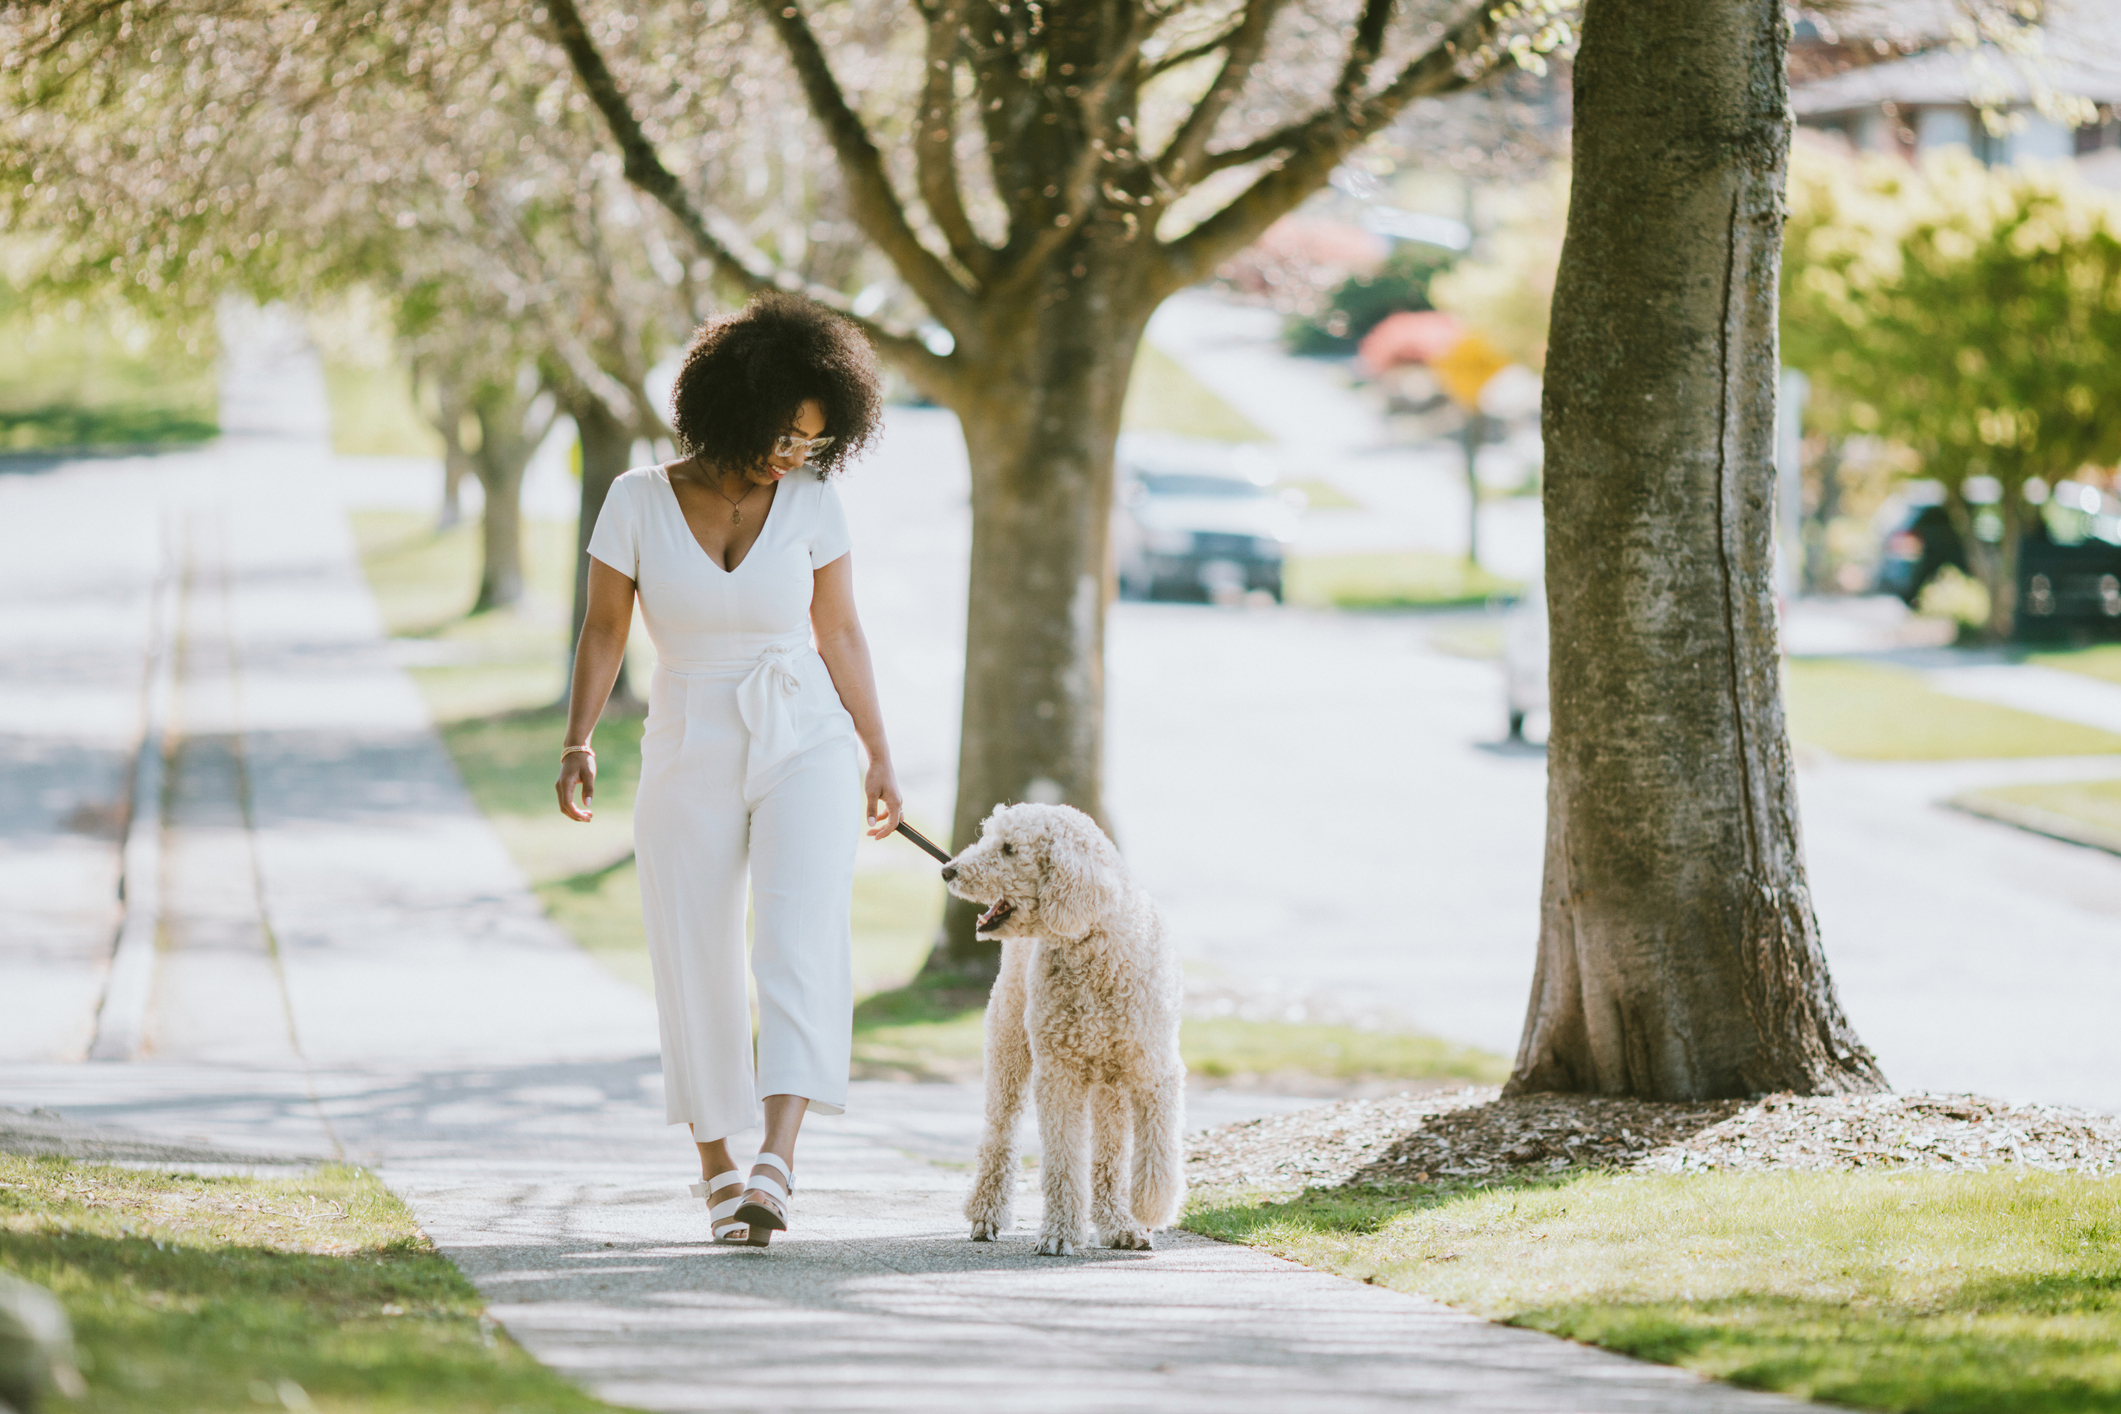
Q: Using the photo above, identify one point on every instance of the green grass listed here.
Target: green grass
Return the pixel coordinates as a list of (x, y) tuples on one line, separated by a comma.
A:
[(202, 1294), (1877, 713), (2086, 811), (2102, 661), (1390, 580), (1912, 1291), (373, 413), (1325, 496), (932, 1029), (99, 378), (1163, 397)]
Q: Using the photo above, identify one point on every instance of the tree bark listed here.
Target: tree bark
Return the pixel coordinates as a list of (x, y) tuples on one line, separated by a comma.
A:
[(1679, 956), (1039, 431), (607, 445), (510, 429)]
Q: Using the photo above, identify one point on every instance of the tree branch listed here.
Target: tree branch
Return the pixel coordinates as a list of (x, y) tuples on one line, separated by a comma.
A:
[(935, 142), (875, 205), (1316, 146), (645, 169), (1197, 51), (1181, 156)]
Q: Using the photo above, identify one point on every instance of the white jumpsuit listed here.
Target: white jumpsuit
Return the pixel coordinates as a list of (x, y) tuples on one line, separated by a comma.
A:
[(747, 763)]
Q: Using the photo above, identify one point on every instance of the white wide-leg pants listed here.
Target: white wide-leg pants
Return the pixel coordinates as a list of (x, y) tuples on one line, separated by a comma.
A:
[(696, 839)]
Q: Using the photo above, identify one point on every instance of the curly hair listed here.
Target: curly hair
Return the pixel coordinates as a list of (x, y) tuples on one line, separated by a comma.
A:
[(745, 375)]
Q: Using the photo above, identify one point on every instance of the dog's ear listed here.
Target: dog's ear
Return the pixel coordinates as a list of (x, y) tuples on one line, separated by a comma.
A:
[(1082, 880)]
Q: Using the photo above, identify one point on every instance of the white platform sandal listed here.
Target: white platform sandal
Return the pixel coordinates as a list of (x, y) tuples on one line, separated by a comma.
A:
[(764, 1202), (728, 1231)]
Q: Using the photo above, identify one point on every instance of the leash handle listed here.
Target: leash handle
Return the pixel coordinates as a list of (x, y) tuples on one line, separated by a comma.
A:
[(923, 841)]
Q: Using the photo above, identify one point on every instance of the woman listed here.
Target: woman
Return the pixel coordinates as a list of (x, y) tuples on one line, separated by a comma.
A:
[(739, 555)]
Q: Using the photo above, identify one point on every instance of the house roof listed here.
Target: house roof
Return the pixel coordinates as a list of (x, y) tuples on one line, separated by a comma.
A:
[(2080, 56)]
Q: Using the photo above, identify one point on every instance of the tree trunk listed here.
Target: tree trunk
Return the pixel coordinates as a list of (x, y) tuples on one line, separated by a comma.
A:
[(2004, 558), (1679, 957), (607, 445), (451, 405), (509, 433), (1039, 430), (1471, 434)]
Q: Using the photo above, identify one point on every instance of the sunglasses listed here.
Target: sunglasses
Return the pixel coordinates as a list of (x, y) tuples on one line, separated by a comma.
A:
[(788, 446)]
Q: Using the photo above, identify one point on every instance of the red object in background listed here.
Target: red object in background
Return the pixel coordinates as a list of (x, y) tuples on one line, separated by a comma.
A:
[(1410, 336)]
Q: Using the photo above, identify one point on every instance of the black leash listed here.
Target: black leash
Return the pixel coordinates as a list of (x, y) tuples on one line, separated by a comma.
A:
[(923, 841)]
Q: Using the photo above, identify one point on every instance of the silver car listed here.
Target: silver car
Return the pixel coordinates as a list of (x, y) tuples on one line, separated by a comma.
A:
[(1199, 520)]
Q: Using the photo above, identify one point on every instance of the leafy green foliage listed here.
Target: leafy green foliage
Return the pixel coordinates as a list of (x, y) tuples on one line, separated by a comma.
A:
[(1364, 301), (91, 372), (1966, 312)]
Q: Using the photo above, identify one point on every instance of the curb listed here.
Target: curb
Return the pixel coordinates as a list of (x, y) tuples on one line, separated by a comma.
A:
[(2040, 822), (122, 1017)]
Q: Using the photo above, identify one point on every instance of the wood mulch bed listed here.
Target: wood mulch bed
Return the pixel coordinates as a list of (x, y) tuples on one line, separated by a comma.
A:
[(1472, 1135)]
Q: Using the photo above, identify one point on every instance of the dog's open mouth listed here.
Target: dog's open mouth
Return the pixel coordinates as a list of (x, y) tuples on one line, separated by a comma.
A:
[(995, 916)]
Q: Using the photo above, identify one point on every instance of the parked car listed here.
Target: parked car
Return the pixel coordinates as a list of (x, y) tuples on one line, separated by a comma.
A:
[(1194, 520), (1524, 664), (2069, 561)]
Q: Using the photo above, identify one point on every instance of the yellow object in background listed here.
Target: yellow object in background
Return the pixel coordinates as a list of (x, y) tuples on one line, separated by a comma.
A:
[(1466, 368)]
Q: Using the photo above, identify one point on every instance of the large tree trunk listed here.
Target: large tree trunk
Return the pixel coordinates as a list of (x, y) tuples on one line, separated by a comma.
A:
[(1039, 430), (607, 445), (1679, 957), (510, 428)]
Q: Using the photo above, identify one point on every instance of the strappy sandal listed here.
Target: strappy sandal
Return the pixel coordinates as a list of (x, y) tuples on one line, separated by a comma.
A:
[(764, 1205), (728, 1231)]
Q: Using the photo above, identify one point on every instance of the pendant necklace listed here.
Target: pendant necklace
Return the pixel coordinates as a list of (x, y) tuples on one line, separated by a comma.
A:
[(736, 507)]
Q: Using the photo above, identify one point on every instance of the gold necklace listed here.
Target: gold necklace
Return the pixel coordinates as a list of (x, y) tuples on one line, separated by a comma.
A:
[(736, 507)]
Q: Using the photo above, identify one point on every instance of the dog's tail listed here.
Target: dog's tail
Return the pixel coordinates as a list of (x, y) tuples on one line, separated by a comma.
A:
[(1159, 1163)]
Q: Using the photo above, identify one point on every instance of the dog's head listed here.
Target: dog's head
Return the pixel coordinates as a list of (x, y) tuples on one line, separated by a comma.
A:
[(1042, 871)]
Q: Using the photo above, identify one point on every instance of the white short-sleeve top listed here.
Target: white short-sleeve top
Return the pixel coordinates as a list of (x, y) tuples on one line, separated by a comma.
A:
[(696, 611), (748, 627)]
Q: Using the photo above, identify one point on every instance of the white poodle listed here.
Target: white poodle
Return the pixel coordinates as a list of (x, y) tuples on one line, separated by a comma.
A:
[(1086, 1010)]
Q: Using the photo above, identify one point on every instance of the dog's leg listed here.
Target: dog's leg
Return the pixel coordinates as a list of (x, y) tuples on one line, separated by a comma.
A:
[(1062, 1102), (1111, 1111), (1159, 1161), (992, 1206)]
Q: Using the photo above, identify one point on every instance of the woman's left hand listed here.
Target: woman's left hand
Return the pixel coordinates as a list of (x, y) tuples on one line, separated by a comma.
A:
[(886, 806)]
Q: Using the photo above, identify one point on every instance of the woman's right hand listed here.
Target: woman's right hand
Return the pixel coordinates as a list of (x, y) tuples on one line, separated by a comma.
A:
[(577, 768)]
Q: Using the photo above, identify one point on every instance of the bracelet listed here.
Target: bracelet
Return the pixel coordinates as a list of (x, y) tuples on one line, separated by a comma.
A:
[(567, 751)]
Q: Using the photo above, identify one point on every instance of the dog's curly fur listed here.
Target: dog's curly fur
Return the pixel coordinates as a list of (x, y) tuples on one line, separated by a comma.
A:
[(1085, 1011)]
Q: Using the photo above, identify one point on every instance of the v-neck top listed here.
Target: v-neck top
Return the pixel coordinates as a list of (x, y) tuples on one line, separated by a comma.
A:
[(698, 612)]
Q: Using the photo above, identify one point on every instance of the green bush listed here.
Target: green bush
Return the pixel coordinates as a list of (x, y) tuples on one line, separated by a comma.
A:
[(1363, 301)]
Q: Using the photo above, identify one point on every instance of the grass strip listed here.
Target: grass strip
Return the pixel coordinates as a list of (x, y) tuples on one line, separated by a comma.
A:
[(2102, 661), (203, 1294), (1872, 712), (1162, 396), (1398, 579), (933, 1029), (2084, 812), (1894, 1291)]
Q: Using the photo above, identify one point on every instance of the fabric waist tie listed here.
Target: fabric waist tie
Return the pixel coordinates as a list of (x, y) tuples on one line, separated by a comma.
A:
[(765, 699)]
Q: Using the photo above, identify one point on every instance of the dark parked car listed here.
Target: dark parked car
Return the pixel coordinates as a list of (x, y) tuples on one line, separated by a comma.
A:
[(1198, 522), (2069, 561)]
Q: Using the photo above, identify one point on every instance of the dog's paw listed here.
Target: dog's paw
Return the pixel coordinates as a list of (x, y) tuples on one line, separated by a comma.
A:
[(984, 1230), (1054, 1244), (1129, 1239)]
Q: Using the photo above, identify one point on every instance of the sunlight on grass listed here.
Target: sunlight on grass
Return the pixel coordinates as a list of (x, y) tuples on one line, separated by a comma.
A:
[(1226, 1046), (1910, 1291), (2103, 661), (373, 413), (1877, 713), (98, 377), (1163, 397), (2086, 811), (1389, 580), (1325, 496), (207, 1294)]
